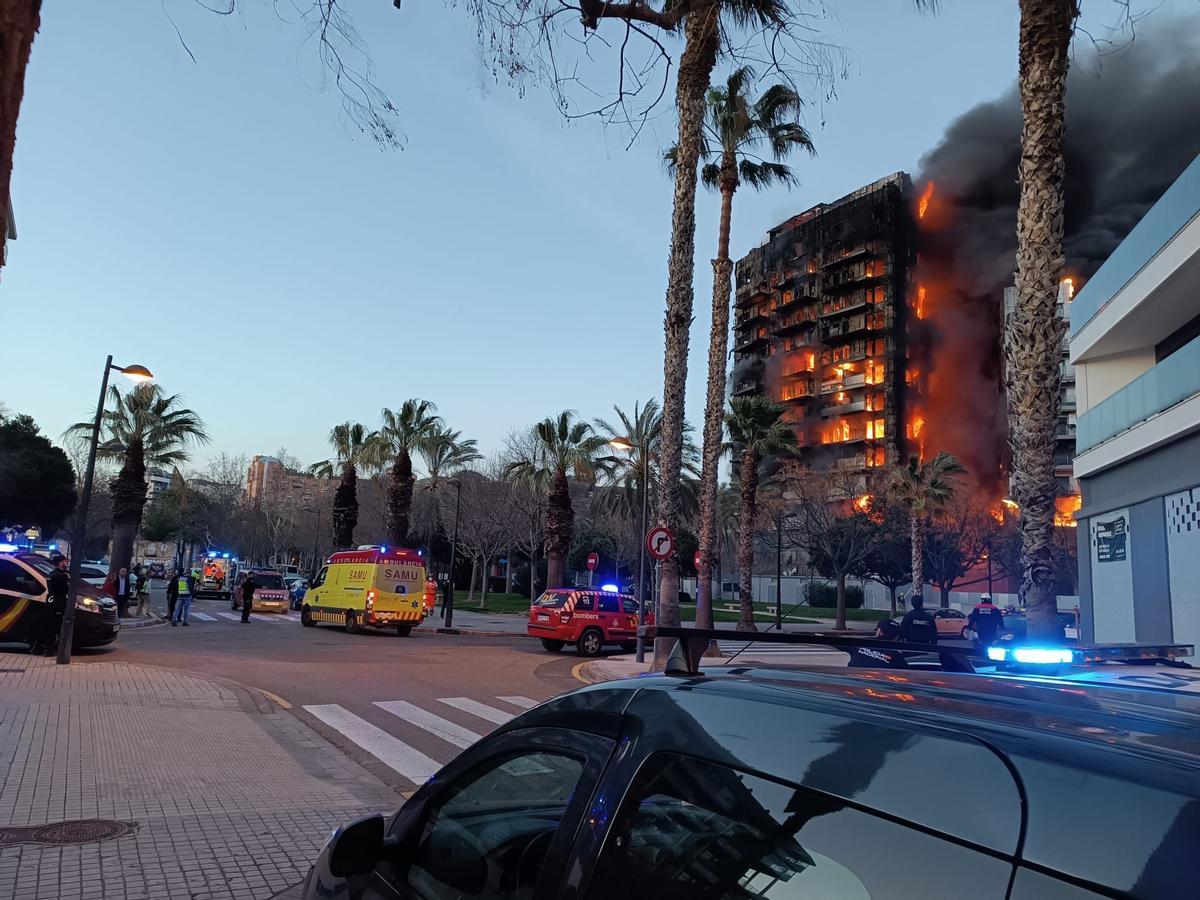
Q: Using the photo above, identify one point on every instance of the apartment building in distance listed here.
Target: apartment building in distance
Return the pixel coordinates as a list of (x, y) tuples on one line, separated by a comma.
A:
[(269, 481), (1135, 345), (821, 309)]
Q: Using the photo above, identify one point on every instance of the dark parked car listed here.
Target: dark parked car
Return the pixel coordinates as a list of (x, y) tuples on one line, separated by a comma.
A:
[(796, 783), (23, 596)]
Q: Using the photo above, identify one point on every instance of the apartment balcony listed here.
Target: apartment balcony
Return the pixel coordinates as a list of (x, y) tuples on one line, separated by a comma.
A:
[(1156, 407), (842, 310), (755, 315), (752, 342), (800, 390), (746, 386), (850, 464), (852, 407), (795, 323), (861, 252), (844, 327)]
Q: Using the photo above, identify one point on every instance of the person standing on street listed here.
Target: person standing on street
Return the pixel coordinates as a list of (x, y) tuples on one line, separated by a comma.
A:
[(58, 591), (191, 583), (182, 605), (123, 588), (173, 595), (986, 621), (917, 626), (247, 598)]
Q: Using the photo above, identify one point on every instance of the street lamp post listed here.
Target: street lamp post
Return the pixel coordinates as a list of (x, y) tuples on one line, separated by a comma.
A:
[(316, 538), (79, 533), (448, 603), (779, 573)]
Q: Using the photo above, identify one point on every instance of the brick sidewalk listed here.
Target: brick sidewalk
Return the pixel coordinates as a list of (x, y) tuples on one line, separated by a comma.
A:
[(232, 797)]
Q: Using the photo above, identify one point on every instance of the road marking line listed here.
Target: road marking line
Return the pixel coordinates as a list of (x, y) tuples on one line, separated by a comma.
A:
[(275, 698), (436, 725), (523, 702), (259, 617), (203, 617), (475, 708), (408, 761), (232, 617)]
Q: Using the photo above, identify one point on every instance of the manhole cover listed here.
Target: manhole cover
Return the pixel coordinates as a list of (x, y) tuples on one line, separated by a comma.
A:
[(79, 831)]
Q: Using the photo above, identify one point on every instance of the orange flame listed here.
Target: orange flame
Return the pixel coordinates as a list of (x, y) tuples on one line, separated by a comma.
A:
[(1065, 509), (919, 309), (1069, 283), (863, 502), (923, 203)]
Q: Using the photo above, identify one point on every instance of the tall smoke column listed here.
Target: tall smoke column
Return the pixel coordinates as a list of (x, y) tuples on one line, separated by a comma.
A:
[(1132, 127)]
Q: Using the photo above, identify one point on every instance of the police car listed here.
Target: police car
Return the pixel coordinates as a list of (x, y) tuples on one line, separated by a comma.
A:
[(793, 782)]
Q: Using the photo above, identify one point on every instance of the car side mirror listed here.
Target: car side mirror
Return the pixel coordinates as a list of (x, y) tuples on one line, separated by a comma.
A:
[(357, 847)]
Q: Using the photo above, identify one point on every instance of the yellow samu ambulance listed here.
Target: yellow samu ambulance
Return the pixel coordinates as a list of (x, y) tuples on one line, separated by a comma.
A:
[(378, 587)]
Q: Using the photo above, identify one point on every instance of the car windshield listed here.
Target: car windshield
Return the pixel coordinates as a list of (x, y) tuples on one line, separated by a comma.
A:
[(552, 600), (40, 563), (271, 582)]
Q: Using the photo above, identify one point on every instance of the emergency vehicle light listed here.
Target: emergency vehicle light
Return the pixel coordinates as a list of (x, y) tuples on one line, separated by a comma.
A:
[(997, 654), (1042, 655), (610, 588), (9, 548)]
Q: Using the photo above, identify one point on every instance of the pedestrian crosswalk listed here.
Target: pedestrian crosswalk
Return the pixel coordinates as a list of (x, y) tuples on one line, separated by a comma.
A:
[(277, 619), (417, 725)]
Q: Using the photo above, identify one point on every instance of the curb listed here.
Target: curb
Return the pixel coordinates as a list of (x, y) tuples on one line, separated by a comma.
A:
[(142, 622), (471, 632)]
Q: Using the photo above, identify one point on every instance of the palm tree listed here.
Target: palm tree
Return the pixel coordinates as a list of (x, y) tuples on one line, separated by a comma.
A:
[(734, 129), (923, 489), (756, 431), (565, 446), (352, 446), (143, 426), (1034, 331), (445, 452), (408, 429)]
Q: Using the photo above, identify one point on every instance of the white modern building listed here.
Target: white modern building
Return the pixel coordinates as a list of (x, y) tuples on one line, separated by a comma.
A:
[(1135, 345)]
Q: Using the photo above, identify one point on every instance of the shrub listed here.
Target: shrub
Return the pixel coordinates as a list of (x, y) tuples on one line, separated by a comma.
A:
[(823, 595)]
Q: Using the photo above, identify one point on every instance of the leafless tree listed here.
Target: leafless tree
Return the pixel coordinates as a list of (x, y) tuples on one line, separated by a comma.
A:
[(955, 543)]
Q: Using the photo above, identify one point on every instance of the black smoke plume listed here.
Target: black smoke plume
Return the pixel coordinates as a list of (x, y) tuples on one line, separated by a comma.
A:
[(1133, 125)]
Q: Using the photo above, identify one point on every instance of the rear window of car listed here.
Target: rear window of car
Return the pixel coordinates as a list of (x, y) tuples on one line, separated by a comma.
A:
[(552, 600)]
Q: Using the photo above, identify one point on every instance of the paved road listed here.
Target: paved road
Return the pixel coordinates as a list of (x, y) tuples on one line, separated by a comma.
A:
[(402, 707)]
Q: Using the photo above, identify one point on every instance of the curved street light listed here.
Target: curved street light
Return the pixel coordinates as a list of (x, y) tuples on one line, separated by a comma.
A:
[(66, 634)]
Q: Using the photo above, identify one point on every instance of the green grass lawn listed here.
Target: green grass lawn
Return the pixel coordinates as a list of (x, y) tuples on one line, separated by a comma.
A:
[(513, 604)]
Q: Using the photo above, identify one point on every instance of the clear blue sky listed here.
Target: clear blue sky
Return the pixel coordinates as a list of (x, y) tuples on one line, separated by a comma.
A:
[(221, 222)]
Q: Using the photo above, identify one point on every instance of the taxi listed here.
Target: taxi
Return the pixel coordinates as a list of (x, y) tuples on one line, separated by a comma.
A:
[(588, 619), (376, 587)]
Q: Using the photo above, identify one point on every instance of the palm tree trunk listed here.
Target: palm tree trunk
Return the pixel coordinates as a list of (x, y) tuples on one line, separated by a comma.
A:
[(839, 616), (701, 34), (917, 534), (129, 499), (19, 22), (399, 499), (345, 508), (714, 409), (745, 552), (1034, 332), (559, 521)]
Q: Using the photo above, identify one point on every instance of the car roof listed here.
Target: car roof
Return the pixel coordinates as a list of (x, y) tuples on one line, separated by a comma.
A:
[(1038, 767)]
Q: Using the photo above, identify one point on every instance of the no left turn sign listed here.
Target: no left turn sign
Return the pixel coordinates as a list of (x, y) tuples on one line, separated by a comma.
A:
[(660, 543)]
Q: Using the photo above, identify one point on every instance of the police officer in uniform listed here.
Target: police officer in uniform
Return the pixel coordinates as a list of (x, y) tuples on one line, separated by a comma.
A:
[(917, 626), (247, 597), (986, 621), (58, 591)]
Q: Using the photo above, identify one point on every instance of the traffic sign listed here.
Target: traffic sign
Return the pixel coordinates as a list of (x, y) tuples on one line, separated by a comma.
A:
[(660, 543), (592, 562)]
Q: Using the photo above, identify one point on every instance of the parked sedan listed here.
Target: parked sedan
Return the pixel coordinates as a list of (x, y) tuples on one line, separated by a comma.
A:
[(950, 622)]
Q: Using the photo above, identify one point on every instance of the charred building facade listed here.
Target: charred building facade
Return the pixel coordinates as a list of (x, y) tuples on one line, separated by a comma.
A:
[(820, 325)]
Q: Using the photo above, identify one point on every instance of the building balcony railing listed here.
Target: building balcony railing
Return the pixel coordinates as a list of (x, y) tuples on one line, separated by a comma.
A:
[(852, 407), (795, 323), (1166, 218), (750, 343), (746, 386), (800, 390), (827, 311), (1175, 379), (850, 464), (751, 316), (856, 253), (843, 328)]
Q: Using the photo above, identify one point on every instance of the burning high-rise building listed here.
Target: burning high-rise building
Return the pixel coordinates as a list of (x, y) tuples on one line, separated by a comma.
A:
[(822, 308)]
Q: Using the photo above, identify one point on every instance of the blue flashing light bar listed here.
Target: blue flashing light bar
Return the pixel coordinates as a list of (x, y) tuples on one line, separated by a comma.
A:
[(9, 548), (1032, 656), (224, 556), (610, 588)]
